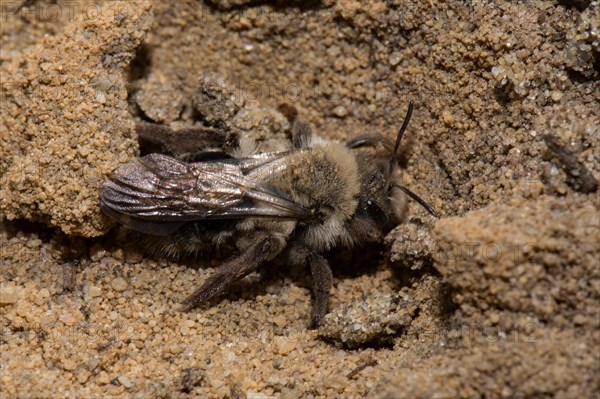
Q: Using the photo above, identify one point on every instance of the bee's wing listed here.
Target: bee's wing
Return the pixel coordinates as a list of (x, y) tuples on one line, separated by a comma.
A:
[(158, 188)]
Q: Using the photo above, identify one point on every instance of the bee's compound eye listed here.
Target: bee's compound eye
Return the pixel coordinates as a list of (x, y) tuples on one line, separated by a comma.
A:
[(374, 211)]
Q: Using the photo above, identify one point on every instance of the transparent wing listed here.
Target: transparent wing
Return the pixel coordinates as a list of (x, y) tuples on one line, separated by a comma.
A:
[(158, 188)]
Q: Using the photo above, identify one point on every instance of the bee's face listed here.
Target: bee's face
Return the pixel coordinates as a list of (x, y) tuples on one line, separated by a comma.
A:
[(381, 205)]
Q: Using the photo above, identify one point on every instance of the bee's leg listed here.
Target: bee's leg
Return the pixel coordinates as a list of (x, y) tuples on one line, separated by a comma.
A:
[(323, 281), (184, 143), (301, 130), (370, 140), (301, 134), (263, 250)]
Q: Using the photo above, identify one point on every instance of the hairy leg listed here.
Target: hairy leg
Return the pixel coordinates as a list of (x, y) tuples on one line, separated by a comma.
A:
[(265, 248), (301, 130), (323, 281), (301, 134), (184, 144)]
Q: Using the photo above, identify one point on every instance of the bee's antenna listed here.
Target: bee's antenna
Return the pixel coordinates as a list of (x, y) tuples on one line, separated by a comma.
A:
[(401, 133), (419, 200), (393, 160)]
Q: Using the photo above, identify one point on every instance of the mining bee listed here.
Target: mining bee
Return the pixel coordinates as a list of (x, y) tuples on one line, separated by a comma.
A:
[(296, 204)]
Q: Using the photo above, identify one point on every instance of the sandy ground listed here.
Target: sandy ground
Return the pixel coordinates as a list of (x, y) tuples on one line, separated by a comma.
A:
[(499, 297)]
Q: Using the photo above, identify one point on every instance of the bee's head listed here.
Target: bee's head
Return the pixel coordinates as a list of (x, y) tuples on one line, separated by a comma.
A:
[(382, 200)]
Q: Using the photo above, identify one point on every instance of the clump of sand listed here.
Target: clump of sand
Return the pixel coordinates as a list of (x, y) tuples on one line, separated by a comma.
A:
[(65, 122)]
